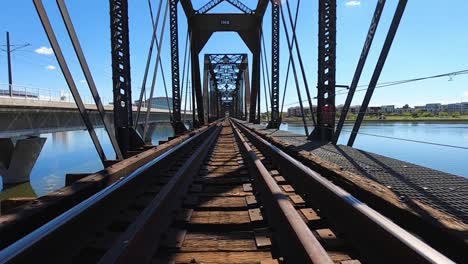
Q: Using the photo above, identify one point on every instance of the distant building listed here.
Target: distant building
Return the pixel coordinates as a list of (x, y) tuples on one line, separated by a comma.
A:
[(434, 108), (444, 108), (458, 107), (420, 108), (355, 109), (296, 111), (157, 102), (387, 109), (405, 110), (373, 109)]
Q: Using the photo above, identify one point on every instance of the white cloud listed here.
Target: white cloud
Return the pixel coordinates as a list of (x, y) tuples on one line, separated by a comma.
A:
[(82, 81), (353, 3), (50, 67), (465, 94), (44, 51)]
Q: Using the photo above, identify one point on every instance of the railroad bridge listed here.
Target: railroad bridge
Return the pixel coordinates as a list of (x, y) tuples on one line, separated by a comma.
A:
[(232, 189)]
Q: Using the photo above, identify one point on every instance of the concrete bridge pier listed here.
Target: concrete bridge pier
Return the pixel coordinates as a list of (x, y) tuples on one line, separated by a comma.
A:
[(17, 160)]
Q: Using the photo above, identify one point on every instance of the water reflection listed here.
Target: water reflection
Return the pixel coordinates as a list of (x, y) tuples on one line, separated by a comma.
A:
[(69, 152)]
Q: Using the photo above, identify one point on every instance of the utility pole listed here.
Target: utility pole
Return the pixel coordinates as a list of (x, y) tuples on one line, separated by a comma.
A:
[(9, 51), (10, 78)]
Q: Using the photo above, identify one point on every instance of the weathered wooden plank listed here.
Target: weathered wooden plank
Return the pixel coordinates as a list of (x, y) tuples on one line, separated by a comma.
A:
[(219, 241), (258, 257), (221, 202), (220, 217), (225, 190)]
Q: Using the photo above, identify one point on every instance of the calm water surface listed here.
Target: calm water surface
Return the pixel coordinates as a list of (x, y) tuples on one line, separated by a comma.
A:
[(447, 159), (73, 152), (69, 152)]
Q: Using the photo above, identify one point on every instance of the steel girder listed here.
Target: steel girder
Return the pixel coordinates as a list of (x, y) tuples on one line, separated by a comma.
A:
[(174, 39), (202, 26), (227, 71), (275, 121), (123, 116), (326, 72), (213, 3)]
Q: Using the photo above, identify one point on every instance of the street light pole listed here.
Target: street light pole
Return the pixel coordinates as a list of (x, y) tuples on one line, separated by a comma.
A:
[(10, 78)]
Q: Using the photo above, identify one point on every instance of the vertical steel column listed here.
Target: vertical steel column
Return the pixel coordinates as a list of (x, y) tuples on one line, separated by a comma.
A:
[(378, 68), (123, 119), (326, 72), (176, 115), (196, 82), (206, 80), (246, 81), (275, 121), (255, 88)]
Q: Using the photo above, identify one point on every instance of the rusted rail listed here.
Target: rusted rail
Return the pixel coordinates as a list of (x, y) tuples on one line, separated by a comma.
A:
[(376, 238), (70, 234), (222, 196)]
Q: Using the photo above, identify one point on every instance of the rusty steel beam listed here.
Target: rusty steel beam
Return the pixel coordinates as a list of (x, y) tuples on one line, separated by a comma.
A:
[(37, 244), (380, 241), (297, 243)]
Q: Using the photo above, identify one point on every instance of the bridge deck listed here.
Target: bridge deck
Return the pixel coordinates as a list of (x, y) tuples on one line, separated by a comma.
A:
[(443, 191)]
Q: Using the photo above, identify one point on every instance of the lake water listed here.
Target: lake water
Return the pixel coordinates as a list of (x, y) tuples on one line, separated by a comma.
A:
[(447, 159), (69, 152), (73, 151)]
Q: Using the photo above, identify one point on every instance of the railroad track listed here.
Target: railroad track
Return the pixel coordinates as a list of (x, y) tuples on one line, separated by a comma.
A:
[(224, 196)]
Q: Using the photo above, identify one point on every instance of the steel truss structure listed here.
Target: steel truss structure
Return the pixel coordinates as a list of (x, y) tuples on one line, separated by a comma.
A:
[(326, 72), (225, 75), (123, 115)]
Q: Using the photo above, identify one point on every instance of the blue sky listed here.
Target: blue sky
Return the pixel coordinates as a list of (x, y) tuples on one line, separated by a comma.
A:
[(432, 39)]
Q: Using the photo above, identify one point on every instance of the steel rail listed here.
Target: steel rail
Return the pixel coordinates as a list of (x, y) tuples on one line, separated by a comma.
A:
[(378, 238), (20, 249), (141, 239), (297, 242)]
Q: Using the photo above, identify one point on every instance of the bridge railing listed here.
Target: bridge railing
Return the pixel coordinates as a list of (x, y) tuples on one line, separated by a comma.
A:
[(45, 94)]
